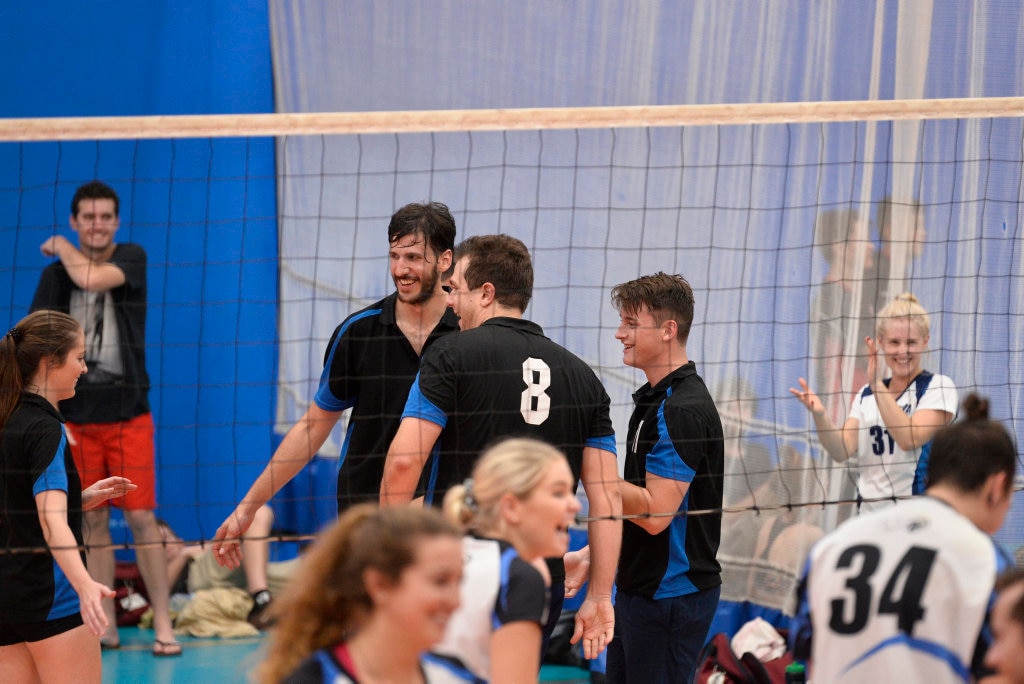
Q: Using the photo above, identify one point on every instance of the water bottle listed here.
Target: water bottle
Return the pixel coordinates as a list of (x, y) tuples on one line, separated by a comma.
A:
[(796, 673)]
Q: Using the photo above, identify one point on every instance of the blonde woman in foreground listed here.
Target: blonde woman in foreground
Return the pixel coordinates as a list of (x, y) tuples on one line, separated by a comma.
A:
[(516, 510)]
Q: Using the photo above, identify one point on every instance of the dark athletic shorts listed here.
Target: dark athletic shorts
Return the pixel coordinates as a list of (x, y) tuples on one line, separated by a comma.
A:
[(37, 631)]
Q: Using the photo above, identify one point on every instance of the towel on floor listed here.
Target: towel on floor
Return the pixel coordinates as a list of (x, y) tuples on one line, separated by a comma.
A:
[(218, 612)]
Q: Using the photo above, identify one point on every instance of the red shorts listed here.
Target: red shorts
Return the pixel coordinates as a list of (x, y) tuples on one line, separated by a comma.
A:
[(125, 449)]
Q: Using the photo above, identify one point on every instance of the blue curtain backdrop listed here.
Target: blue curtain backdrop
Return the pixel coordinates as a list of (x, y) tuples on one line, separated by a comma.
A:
[(204, 211), (737, 216)]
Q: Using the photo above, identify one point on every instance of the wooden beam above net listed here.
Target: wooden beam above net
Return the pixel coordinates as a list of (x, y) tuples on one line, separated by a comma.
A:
[(274, 125)]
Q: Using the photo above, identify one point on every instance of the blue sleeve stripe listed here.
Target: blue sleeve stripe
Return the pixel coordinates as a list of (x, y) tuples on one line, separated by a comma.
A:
[(418, 406), (327, 401), (921, 471), (56, 475), (324, 399), (606, 443), (663, 459), (506, 570)]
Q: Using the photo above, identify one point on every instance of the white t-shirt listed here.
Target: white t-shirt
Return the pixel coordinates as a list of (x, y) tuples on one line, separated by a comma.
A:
[(94, 311), (898, 595), (884, 469)]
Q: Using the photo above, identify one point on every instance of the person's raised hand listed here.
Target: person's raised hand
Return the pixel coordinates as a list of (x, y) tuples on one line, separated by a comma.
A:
[(808, 398), (875, 375)]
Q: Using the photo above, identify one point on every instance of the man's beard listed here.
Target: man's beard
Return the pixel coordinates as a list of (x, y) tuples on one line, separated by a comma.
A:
[(428, 285)]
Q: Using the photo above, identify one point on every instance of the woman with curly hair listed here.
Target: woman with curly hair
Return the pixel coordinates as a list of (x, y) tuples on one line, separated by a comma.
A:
[(371, 596)]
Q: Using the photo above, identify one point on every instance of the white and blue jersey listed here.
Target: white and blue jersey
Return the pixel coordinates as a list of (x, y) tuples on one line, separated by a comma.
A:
[(498, 588), (898, 595), (884, 469)]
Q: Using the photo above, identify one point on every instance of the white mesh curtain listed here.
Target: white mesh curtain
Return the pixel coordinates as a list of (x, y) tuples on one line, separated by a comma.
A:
[(732, 208)]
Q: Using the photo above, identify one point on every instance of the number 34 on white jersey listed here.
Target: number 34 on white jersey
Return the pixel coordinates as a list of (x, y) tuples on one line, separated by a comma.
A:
[(899, 595)]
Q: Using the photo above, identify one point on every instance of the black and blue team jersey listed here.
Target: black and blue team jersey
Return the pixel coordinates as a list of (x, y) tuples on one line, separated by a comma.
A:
[(368, 367), (675, 432), (506, 379), (35, 457)]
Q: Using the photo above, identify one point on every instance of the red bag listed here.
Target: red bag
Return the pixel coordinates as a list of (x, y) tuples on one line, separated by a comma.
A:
[(717, 664), (130, 597)]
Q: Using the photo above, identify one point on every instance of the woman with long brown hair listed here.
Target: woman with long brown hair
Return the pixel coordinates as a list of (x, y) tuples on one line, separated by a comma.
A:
[(51, 617), (370, 597)]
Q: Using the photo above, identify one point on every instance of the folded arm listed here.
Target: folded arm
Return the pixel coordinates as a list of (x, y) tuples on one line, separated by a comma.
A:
[(92, 276)]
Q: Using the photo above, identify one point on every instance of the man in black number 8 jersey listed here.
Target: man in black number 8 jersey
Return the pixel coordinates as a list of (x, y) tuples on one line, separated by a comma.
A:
[(501, 377)]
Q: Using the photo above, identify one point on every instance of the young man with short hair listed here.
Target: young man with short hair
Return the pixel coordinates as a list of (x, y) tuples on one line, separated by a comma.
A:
[(102, 284), (669, 579)]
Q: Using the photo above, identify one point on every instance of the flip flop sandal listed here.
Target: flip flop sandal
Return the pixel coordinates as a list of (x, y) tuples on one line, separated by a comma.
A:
[(166, 649)]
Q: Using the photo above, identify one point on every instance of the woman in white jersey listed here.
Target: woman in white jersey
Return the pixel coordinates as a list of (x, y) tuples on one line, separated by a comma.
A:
[(904, 594), (517, 510), (892, 419)]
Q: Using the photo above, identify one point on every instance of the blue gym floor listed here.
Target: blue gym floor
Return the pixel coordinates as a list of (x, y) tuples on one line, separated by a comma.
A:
[(222, 661)]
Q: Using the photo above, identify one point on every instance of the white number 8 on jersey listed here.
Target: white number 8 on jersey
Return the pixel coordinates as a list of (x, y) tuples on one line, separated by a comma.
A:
[(536, 404)]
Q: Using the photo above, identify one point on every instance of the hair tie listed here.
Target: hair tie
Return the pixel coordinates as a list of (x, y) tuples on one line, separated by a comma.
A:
[(468, 497), (16, 334)]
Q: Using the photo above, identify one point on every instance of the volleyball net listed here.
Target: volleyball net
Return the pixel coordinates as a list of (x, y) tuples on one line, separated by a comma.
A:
[(793, 223)]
